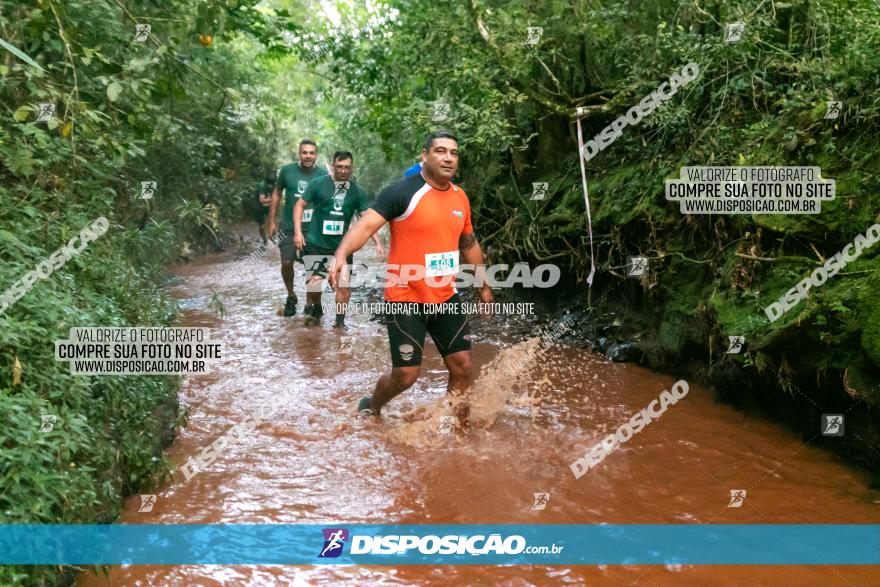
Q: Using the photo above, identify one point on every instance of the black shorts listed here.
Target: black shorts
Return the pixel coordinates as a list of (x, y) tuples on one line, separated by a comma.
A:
[(285, 246), (260, 214), (407, 323), (317, 261)]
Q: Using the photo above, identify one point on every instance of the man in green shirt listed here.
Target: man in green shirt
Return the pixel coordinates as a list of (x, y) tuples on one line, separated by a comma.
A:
[(334, 200), (262, 200), (293, 179)]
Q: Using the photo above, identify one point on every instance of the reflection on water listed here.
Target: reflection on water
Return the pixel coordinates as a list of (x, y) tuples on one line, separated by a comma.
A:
[(534, 411)]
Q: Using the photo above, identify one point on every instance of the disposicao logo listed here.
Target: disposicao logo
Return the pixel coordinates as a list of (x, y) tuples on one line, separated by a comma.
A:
[(473, 545), (334, 540), (409, 545)]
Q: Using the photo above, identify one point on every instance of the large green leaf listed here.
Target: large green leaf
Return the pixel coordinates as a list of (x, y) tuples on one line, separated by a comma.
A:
[(18, 53)]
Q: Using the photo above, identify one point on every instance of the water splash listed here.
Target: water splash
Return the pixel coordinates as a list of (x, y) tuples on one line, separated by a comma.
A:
[(505, 380)]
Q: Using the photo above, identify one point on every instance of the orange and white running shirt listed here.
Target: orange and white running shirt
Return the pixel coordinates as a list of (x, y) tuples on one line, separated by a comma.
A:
[(426, 224)]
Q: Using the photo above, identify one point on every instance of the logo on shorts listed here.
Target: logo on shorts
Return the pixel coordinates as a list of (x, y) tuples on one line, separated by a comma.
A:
[(334, 540), (406, 351)]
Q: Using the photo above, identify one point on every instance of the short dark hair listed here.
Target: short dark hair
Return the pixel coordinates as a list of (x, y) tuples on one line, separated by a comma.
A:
[(308, 142), (342, 155), (438, 134)]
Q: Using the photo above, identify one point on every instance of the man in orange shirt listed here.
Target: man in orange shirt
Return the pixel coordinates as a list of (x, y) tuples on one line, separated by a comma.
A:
[(430, 231)]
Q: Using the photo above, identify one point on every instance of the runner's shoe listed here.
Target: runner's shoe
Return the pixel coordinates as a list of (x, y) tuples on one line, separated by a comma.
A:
[(364, 408), (340, 322), (311, 314), (290, 306)]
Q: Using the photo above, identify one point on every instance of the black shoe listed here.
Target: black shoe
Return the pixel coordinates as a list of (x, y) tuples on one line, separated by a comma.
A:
[(340, 322), (311, 314), (364, 408), (290, 306)]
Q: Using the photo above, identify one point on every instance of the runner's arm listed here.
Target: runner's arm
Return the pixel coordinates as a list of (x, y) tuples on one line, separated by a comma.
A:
[(363, 206), (472, 254), (298, 240), (273, 209), (380, 250), (356, 237)]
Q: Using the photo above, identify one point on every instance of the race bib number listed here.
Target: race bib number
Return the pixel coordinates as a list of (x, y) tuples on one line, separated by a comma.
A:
[(441, 264), (307, 215), (333, 227)]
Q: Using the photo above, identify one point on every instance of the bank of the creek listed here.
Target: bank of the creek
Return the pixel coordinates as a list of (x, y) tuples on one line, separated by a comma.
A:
[(316, 462)]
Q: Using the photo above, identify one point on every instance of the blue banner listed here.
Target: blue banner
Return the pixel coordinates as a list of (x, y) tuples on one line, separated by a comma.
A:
[(403, 544)]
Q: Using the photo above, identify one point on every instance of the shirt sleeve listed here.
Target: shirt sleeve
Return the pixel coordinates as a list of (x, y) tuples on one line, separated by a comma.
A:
[(363, 202), (311, 193), (391, 202)]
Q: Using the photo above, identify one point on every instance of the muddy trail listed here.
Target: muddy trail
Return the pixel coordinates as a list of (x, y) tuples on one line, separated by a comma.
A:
[(314, 461)]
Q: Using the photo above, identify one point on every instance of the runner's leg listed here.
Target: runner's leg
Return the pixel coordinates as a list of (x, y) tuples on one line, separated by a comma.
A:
[(450, 331), (316, 265), (406, 338), (343, 293), (461, 378), (314, 286), (288, 253), (393, 384)]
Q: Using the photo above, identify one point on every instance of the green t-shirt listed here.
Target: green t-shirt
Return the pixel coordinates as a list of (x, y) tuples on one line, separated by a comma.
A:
[(334, 203), (263, 189), (294, 180)]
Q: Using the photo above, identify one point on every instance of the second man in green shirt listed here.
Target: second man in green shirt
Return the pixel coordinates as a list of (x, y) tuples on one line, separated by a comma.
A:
[(334, 199)]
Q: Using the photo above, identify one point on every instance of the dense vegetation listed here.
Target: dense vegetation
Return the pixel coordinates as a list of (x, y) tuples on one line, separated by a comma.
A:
[(760, 101), (367, 79), (126, 112)]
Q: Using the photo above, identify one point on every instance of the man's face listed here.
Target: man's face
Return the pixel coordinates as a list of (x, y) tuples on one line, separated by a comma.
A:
[(342, 169), (307, 156), (441, 161)]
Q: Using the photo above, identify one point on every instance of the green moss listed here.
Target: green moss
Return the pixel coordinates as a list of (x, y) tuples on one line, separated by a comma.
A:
[(870, 311)]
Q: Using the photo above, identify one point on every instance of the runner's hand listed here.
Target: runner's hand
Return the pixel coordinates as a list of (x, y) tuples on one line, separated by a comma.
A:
[(380, 250), (336, 265), (273, 228), (299, 241), (486, 298)]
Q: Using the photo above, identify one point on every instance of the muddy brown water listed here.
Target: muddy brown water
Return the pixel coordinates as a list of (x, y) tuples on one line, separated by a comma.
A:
[(314, 462)]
